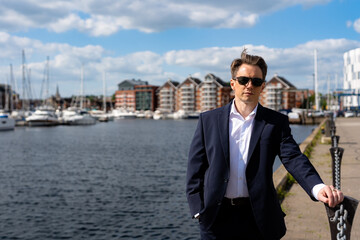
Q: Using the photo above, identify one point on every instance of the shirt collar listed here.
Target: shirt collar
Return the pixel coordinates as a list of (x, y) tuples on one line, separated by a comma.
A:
[(235, 113)]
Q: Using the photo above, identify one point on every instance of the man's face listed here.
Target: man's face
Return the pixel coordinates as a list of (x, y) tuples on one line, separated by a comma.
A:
[(247, 93)]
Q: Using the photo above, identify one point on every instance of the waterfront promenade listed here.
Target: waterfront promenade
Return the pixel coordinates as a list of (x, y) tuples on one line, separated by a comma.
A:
[(307, 219)]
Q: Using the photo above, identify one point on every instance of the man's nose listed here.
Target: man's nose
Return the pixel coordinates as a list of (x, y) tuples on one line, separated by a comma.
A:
[(249, 84)]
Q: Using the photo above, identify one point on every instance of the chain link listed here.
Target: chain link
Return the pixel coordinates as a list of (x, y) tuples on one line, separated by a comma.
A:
[(337, 168), (340, 216)]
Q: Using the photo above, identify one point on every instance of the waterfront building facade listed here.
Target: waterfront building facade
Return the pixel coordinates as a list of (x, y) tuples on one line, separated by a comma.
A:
[(213, 93), (278, 94), (352, 79), (145, 97), (167, 96), (187, 95), (135, 95), (6, 101), (193, 95)]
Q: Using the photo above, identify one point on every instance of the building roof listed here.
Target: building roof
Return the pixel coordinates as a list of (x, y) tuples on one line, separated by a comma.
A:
[(282, 80), (212, 77), (196, 81), (169, 82), (129, 84), (174, 83)]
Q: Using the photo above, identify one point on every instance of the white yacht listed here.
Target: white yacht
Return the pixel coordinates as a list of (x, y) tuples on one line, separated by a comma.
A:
[(120, 113), (158, 115), (19, 116), (181, 114), (6, 123), (99, 115), (75, 116), (43, 116)]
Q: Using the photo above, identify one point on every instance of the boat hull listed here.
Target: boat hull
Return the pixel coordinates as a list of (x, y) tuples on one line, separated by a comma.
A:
[(44, 123), (7, 124)]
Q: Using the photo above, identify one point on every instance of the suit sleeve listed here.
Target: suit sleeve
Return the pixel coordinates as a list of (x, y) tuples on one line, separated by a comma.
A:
[(296, 163), (197, 165)]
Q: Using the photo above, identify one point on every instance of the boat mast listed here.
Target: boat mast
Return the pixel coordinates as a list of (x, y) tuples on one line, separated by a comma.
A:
[(14, 89), (82, 86), (7, 92), (104, 92), (23, 81), (47, 79), (316, 81), (328, 92), (11, 84)]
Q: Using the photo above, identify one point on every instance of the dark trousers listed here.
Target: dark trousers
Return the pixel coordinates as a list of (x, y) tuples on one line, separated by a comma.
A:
[(233, 222)]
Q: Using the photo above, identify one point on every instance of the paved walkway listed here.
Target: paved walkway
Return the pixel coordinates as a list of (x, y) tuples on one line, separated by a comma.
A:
[(307, 219)]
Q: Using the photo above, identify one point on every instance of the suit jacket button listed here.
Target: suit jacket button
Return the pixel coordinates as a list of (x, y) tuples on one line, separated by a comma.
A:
[(219, 203), (226, 180)]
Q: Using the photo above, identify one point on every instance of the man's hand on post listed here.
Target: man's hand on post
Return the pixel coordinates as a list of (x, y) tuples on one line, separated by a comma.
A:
[(330, 196)]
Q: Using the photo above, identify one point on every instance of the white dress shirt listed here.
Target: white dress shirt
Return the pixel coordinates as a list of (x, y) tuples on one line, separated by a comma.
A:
[(239, 139)]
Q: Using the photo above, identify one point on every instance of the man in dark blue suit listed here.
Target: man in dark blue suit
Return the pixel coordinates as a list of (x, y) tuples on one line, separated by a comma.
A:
[(229, 177)]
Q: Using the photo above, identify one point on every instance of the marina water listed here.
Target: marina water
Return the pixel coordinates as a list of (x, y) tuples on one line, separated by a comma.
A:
[(115, 180)]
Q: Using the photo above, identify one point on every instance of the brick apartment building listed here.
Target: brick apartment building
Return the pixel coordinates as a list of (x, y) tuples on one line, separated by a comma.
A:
[(187, 95), (279, 93), (167, 96), (134, 95), (193, 95), (213, 93)]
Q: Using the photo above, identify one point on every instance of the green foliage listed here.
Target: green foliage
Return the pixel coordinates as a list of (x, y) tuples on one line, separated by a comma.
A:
[(283, 191)]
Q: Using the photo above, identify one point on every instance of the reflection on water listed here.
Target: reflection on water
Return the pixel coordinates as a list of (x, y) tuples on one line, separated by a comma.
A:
[(116, 180)]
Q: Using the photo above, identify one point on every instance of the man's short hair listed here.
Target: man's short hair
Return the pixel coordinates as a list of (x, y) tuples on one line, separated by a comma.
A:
[(248, 59)]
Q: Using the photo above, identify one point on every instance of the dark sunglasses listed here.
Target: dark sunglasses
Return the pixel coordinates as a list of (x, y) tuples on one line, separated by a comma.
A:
[(255, 81)]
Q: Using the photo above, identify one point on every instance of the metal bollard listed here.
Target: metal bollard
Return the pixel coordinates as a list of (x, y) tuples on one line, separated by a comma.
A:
[(336, 155), (335, 140), (341, 216), (328, 124), (333, 130)]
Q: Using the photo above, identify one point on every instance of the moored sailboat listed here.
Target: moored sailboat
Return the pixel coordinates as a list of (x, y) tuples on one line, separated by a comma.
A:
[(6, 123)]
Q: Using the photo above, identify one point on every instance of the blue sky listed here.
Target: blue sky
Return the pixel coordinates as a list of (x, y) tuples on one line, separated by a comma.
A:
[(168, 39)]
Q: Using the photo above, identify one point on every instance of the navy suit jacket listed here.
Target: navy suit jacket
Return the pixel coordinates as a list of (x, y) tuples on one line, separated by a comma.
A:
[(209, 161)]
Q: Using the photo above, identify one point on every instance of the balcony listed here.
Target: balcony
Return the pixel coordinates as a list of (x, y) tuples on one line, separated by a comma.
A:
[(170, 94), (166, 102), (187, 102), (209, 88), (187, 98), (166, 98), (187, 88), (208, 103), (188, 108), (166, 105)]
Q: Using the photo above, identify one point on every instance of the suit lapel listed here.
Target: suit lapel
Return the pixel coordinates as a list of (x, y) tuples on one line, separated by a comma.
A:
[(258, 127), (223, 124)]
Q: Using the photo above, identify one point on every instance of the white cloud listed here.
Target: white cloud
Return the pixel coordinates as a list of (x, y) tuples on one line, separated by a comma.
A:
[(295, 64), (106, 17), (357, 25)]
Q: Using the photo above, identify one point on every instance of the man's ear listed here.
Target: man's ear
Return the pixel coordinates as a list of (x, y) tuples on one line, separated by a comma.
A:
[(263, 86), (232, 84)]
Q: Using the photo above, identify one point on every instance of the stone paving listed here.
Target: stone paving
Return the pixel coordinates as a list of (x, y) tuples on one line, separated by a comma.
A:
[(307, 219)]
